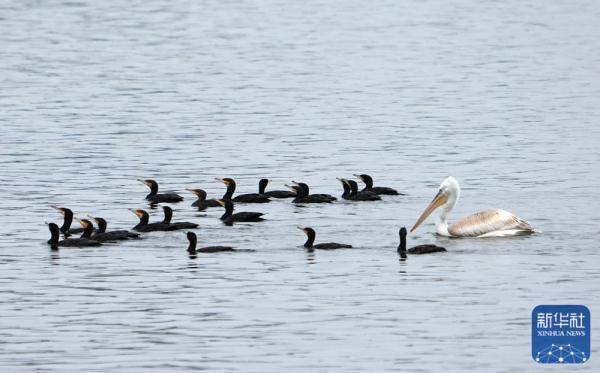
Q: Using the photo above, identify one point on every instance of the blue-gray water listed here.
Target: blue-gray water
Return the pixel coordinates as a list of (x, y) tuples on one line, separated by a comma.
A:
[(502, 95)]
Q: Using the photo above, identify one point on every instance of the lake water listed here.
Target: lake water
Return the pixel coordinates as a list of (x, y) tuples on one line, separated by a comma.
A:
[(505, 96)]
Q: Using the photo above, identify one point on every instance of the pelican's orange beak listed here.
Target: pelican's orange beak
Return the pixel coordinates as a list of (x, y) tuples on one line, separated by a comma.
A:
[(440, 199)]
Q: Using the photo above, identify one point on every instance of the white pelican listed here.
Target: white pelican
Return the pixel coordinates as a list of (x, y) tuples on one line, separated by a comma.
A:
[(489, 223)]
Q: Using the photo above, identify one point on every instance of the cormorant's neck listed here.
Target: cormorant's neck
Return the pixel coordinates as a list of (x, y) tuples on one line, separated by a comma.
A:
[(228, 211), (310, 240), (192, 247), (87, 232), (346, 190), (54, 234), (168, 216), (353, 190), (101, 226), (402, 246), (261, 187), (368, 182), (67, 221), (143, 220), (230, 189), (301, 192), (153, 190)]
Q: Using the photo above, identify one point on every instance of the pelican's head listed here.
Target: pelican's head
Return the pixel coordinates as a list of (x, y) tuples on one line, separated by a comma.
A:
[(446, 198)]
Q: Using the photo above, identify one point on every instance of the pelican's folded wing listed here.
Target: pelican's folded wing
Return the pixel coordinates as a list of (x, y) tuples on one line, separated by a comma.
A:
[(494, 222)]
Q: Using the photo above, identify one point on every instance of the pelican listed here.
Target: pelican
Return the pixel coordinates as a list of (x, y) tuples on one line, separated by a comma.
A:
[(489, 223)]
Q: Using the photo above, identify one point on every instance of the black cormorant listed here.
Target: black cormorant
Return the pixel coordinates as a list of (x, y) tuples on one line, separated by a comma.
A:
[(262, 185), (241, 198), (229, 217), (178, 224), (154, 197), (202, 203), (210, 249), (368, 180), (421, 249), (303, 195), (309, 244)]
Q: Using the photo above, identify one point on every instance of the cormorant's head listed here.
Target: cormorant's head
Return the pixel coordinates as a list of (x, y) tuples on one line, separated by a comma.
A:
[(200, 193), (99, 221), (85, 224), (344, 182), (293, 188), (403, 232), (353, 185), (63, 210), (307, 230), (364, 178), (191, 236), (226, 180), (302, 186), (149, 183), (262, 183), (139, 213)]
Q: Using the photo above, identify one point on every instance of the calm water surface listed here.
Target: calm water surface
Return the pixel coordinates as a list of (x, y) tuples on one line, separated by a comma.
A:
[(502, 95)]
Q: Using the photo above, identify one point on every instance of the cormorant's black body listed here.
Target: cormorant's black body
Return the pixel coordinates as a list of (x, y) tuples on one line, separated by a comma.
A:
[(309, 244), (421, 249), (154, 197), (229, 217), (242, 198)]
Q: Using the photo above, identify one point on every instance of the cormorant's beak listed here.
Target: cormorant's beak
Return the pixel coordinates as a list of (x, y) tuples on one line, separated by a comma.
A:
[(222, 180), (345, 181), (81, 222), (358, 177), (301, 228), (291, 187), (221, 202), (60, 209), (136, 212), (439, 199), (93, 218), (193, 191)]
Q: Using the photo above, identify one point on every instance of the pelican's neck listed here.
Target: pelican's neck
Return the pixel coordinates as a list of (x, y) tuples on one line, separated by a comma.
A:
[(441, 226)]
